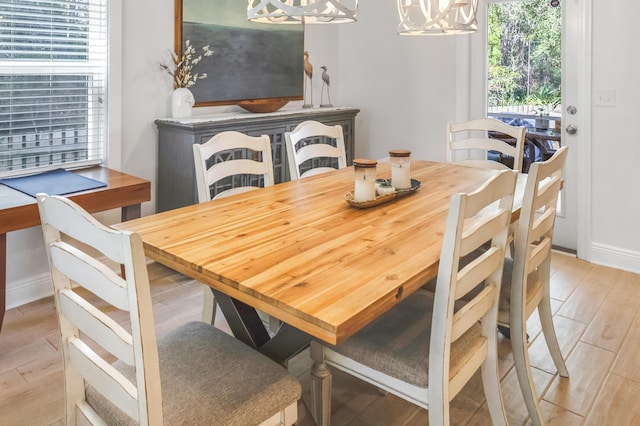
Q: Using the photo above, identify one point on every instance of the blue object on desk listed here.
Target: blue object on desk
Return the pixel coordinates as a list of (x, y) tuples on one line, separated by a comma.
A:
[(55, 182)]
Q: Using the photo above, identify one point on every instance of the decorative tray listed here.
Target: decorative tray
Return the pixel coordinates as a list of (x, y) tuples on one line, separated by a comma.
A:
[(382, 198)]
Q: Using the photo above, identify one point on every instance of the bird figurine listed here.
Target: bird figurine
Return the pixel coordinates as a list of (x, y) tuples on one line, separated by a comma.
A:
[(308, 73), (325, 82)]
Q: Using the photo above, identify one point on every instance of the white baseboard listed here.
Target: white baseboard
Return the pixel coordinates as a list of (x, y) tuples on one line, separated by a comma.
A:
[(29, 290), (615, 257)]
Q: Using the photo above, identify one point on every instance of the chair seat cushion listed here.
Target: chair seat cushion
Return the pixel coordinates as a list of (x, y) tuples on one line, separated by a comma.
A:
[(209, 377), (533, 285), (397, 343)]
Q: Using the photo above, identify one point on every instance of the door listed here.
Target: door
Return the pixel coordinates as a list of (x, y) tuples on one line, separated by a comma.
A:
[(572, 230)]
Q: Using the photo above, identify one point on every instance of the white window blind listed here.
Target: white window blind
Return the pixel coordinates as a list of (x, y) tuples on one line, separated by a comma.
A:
[(53, 73)]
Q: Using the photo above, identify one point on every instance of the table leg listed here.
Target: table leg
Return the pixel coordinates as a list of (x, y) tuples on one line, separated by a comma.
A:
[(285, 344), (243, 320), (3, 276), (321, 379), (130, 212), (247, 327)]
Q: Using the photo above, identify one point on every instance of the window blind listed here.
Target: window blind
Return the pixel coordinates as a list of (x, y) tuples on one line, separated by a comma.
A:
[(53, 73)]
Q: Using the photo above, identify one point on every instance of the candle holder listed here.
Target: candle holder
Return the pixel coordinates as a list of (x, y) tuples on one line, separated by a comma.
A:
[(365, 180), (400, 168)]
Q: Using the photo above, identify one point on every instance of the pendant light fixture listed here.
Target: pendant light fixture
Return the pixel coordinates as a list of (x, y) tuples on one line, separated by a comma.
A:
[(437, 17), (302, 11)]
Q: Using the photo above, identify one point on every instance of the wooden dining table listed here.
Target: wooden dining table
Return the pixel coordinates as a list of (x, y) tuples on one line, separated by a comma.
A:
[(300, 253)]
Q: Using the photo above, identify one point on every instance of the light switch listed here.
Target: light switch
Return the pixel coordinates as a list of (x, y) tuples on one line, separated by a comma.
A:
[(604, 97)]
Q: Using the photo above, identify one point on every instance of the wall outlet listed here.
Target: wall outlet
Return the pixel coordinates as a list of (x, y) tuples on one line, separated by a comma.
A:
[(604, 97)]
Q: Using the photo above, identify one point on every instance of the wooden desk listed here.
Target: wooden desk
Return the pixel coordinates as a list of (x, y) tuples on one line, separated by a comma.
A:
[(20, 211), (300, 253)]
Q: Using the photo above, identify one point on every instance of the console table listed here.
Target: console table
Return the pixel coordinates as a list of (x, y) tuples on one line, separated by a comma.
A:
[(20, 211), (176, 174)]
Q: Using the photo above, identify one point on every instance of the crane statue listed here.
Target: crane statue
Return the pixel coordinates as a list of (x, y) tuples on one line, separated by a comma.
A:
[(325, 82), (308, 75)]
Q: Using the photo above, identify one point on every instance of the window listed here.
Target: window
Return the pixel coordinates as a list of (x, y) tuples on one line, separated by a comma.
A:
[(53, 63)]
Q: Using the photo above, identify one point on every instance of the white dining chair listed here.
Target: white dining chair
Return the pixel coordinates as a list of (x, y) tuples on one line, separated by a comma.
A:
[(193, 375), (314, 148), (469, 143), (525, 285), (426, 348), (227, 164), (241, 161)]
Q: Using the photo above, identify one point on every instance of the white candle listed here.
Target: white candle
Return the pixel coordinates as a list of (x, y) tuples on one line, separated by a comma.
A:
[(365, 190), (400, 168), (400, 175), (365, 174)]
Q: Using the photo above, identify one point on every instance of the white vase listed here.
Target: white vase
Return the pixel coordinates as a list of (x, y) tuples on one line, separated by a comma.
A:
[(182, 102)]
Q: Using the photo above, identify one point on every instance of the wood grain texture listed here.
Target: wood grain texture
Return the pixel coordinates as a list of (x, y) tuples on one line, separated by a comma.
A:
[(298, 252)]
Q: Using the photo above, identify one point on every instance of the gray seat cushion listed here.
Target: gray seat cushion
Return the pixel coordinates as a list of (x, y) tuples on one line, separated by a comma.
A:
[(397, 343), (209, 377), (533, 284)]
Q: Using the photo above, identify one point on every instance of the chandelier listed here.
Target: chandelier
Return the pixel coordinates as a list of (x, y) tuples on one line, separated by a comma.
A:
[(433, 17), (302, 11)]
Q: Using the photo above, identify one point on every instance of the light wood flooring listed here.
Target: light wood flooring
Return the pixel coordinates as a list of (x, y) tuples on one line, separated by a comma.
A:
[(596, 316)]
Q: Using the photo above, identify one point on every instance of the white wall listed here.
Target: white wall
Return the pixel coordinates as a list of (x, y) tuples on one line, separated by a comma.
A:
[(404, 86), (615, 136), (406, 90)]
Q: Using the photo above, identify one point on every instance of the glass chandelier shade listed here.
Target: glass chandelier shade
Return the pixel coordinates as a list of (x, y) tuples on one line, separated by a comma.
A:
[(302, 11), (437, 17)]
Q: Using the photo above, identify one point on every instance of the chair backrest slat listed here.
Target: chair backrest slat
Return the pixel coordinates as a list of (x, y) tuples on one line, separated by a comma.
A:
[(83, 229), (308, 152), (235, 167), (547, 191), (103, 281), (472, 312), (104, 378), (482, 230), (99, 327), (484, 143), (538, 253), (477, 271), (542, 224)]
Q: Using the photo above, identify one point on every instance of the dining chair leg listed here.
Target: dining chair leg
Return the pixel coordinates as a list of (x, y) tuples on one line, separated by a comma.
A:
[(438, 407), (491, 382), (520, 349), (546, 320), (208, 306), (320, 386), (549, 331)]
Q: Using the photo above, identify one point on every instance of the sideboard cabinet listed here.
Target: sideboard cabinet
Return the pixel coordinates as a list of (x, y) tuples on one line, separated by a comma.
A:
[(176, 176)]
